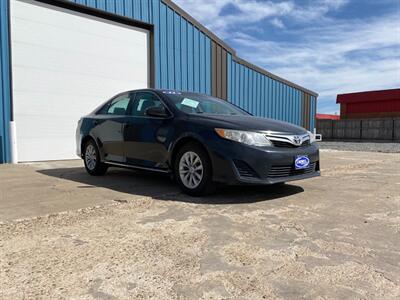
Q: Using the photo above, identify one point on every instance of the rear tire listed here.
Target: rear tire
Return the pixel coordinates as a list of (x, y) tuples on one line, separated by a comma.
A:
[(193, 170), (91, 158)]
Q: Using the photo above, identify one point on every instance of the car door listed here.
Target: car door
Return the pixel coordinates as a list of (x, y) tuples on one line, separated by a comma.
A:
[(109, 128), (146, 137)]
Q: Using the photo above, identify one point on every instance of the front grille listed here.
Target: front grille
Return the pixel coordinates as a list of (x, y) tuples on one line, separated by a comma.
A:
[(289, 145), (287, 171), (244, 169), (283, 144)]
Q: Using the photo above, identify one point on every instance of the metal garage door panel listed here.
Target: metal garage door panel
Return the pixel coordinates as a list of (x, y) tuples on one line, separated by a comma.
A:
[(64, 65)]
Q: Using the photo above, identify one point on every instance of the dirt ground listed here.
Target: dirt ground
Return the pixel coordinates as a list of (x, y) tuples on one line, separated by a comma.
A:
[(131, 235)]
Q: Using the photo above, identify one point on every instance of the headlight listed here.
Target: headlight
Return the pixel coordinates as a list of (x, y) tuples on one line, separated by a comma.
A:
[(245, 137), (312, 137)]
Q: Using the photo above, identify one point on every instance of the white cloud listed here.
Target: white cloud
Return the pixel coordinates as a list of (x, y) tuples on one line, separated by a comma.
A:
[(277, 23), (208, 12), (317, 9)]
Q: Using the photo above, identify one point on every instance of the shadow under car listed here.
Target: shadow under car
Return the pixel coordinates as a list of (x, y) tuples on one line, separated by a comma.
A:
[(162, 187)]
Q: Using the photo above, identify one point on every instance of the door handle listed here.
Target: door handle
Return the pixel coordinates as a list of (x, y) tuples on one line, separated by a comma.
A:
[(95, 122)]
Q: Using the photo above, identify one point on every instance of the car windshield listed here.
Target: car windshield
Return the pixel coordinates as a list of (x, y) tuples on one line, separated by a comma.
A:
[(202, 104)]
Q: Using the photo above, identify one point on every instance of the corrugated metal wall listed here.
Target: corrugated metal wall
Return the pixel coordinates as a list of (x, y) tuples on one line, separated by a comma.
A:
[(262, 95), (183, 52), (4, 83), (306, 108)]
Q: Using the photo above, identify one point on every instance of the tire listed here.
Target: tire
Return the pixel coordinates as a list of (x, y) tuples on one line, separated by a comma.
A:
[(193, 170), (91, 158)]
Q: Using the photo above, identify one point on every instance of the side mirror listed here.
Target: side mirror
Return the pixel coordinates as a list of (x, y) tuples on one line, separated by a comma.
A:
[(156, 111)]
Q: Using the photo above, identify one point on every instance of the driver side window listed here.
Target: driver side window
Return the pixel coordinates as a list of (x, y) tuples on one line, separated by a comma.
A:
[(143, 101)]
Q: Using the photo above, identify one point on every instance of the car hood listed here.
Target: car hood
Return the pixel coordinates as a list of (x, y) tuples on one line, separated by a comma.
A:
[(249, 123)]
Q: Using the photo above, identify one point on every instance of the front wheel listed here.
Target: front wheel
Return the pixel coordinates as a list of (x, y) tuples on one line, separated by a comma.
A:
[(93, 164), (193, 170)]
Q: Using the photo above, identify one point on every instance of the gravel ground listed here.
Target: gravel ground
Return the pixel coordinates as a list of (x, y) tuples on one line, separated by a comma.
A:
[(361, 146), (332, 237)]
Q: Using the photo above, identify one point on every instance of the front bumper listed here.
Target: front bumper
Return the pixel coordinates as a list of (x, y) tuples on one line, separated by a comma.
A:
[(235, 163)]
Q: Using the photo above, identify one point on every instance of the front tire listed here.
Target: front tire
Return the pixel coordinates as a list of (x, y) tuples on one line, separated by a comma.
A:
[(193, 171), (91, 158)]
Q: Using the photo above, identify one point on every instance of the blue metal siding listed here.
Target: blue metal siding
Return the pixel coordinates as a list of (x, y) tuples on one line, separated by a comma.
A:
[(190, 56), (263, 96), (177, 50), (196, 60), (184, 56), (207, 74), (297, 110), (170, 49), (5, 155), (272, 95)]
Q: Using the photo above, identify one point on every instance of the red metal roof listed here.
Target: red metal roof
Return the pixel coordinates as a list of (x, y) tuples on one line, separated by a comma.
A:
[(327, 117), (384, 95)]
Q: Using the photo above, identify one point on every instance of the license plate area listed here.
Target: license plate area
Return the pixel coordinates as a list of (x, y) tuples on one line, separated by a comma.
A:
[(301, 162)]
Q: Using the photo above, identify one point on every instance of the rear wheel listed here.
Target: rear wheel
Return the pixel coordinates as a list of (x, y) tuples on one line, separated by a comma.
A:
[(93, 164), (193, 171)]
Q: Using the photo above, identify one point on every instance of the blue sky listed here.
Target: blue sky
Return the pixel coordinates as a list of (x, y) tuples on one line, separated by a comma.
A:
[(328, 46)]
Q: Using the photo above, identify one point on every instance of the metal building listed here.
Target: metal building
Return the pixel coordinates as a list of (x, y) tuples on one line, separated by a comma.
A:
[(370, 104), (59, 59)]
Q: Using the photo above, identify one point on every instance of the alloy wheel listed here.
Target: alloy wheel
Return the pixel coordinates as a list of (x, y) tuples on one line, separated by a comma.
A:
[(90, 157), (191, 170)]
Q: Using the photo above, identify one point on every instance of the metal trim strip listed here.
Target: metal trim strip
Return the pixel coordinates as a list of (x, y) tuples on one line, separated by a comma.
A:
[(136, 167)]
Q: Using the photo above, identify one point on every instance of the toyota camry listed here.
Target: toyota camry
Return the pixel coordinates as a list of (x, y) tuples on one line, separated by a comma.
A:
[(199, 139)]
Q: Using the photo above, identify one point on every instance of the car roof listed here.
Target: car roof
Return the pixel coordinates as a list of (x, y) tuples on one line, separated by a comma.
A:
[(163, 91)]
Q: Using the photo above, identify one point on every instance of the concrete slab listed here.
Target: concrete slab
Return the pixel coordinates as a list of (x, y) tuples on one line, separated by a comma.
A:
[(35, 189)]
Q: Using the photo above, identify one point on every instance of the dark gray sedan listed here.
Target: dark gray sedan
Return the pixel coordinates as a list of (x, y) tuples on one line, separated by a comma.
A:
[(199, 139)]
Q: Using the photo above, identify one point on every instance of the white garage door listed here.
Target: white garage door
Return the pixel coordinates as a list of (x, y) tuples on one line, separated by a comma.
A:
[(64, 65)]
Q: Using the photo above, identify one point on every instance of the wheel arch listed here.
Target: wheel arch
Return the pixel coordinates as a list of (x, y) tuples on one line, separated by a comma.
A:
[(183, 141), (85, 140)]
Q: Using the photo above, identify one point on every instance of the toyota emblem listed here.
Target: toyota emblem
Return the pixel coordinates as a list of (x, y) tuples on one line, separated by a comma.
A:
[(297, 140)]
